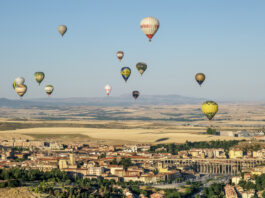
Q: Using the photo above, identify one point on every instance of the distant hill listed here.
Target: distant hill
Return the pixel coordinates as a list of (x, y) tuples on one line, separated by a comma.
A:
[(123, 100)]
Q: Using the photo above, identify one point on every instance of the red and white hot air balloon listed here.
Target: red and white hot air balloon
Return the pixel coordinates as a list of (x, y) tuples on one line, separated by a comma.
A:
[(149, 26), (108, 89), (120, 55)]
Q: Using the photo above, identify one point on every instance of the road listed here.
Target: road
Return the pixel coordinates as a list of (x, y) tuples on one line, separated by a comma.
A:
[(204, 179)]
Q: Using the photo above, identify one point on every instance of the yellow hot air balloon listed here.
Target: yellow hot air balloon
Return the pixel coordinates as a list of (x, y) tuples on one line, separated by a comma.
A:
[(21, 90), (209, 108)]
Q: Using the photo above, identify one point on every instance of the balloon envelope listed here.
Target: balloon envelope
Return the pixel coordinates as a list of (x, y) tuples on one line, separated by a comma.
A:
[(107, 89), (21, 89), (200, 77), (62, 29), (39, 76), (149, 26), (125, 72), (120, 55), (141, 67), (135, 94), (49, 89), (209, 108)]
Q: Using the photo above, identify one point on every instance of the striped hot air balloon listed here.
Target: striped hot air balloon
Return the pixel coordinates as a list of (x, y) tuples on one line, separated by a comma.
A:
[(149, 26), (120, 55), (21, 89)]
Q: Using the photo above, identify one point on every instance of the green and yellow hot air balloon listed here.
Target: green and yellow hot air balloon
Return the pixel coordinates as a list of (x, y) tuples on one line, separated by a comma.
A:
[(209, 108), (141, 67), (39, 76)]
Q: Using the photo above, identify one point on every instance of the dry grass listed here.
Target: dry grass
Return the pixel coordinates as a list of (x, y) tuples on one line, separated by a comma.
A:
[(20, 192), (143, 124), (113, 136)]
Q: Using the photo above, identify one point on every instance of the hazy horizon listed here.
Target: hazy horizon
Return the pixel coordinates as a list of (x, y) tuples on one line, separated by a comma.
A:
[(223, 39)]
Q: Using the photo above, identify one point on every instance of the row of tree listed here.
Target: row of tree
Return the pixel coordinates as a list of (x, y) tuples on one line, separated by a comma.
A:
[(175, 148), (16, 177)]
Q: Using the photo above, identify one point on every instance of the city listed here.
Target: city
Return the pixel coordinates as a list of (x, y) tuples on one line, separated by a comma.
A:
[(158, 166)]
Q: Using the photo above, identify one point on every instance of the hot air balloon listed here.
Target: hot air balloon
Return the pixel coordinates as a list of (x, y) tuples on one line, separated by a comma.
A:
[(19, 81), (209, 108), (125, 72), (62, 29), (39, 76), (149, 26), (200, 77), (120, 55), (21, 89), (135, 94), (108, 89), (141, 67), (49, 89)]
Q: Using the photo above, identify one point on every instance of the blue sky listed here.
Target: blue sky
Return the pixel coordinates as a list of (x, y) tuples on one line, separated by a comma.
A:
[(224, 39)]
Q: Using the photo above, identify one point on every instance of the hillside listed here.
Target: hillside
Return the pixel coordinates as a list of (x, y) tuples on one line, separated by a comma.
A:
[(124, 100)]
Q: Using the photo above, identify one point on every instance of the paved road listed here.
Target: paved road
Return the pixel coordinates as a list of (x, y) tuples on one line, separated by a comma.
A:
[(202, 179)]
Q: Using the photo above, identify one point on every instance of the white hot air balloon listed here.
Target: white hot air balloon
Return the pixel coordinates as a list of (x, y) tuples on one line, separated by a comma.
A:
[(49, 89), (62, 29), (149, 26), (108, 89), (19, 80)]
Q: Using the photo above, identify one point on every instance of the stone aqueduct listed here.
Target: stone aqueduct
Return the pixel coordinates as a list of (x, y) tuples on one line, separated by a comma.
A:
[(211, 166)]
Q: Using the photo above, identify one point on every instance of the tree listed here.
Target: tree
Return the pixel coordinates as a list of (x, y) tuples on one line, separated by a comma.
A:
[(114, 162), (126, 162), (211, 131), (103, 155), (173, 195)]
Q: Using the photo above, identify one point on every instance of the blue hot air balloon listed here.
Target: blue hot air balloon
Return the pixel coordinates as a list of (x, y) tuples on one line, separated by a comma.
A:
[(125, 72)]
